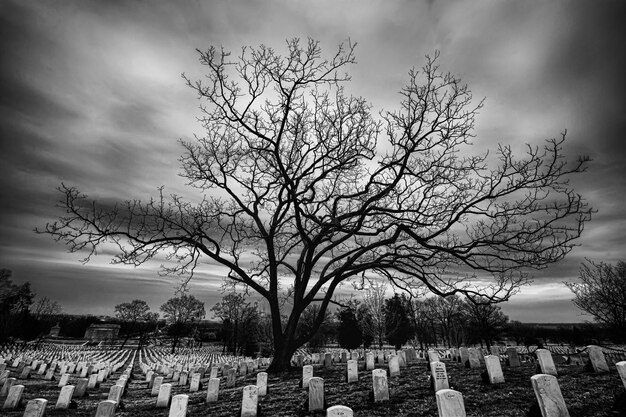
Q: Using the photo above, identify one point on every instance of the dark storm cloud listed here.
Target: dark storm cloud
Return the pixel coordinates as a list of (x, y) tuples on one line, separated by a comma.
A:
[(91, 95)]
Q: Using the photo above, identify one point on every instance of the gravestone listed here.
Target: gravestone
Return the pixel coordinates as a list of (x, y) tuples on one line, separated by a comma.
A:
[(380, 357), (379, 385), (369, 361), (6, 387), (402, 359), (328, 360), (354, 355), (621, 370), (316, 394), (14, 398), (213, 373), (163, 400), (411, 355), (433, 356), (474, 358), (63, 380), (250, 401), (549, 396), (81, 387), (513, 357), (65, 397), (42, 369), (149, 375), (212, 392), (464, 355), (495, 351), (179, 406), (49, 375), (261, 383), (353, 371), (598, 361), (546, 364), (494, 370), (339, 411), (230, 378), (307, 374), (36, 407), (4, 375), (439, 376), (195, 382), (93, 381), (344, 357), (156, 386), (115, 394), (106, 408), (394, 366), (450, 403)]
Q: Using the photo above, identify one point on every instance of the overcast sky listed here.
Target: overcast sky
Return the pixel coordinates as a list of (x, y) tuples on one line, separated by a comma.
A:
[(91, 95)]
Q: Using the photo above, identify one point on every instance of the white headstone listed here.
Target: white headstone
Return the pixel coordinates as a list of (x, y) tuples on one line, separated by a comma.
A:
[(316, 394), (156, 386), (6, 387), (353, 371), (598, 361), (464, 355), (163, 400), (63, 380), (379, 385), (261, 383), (339, 411), (394, 366), (249, 401), (195, 382), (179, 406), (213, 373), (230, 377), (474, 358), (106, 408), (621, 370), (369, 361), (433, 356), (65, 397), (115, 394), (212, 392), (513, 357), (81, 387), (494, 369), (93, 381), (307, 374), (36, 407), (549, 396), (450, 403), (439, 375), (14, 398), (544, 357)]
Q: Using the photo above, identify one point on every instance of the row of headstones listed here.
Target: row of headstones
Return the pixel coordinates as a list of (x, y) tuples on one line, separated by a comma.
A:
[(36, 407), (58, 355), (546, 386)]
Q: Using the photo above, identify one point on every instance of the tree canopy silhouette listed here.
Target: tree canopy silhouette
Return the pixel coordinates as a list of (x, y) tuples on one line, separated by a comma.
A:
[(302, 188)]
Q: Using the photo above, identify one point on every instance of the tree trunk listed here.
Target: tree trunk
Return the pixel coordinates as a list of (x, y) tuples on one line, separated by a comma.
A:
[(281, 361)]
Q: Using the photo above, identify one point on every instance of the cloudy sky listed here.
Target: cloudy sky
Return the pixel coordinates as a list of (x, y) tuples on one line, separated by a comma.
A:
[(91, 95)]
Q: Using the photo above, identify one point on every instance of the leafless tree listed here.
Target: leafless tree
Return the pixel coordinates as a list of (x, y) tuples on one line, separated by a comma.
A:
[(601, 293), (302, 188), (446, 314), (485, 321), (374, 304)]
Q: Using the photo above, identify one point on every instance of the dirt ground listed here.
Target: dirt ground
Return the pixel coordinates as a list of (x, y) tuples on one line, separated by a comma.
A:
[(586, 394)]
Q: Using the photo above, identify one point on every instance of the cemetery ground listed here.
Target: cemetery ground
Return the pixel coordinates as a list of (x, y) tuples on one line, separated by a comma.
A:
[(585, 393)]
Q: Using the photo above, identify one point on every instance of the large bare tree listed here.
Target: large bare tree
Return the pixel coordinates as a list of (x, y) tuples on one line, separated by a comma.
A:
[(301, 188)]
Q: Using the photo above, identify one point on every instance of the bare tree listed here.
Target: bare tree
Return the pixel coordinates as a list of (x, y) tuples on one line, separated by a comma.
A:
[(374, 304), (179, 313), (485, 321), (601, 293), (238, 319), (446, 315), (302, 188), (133, 313)]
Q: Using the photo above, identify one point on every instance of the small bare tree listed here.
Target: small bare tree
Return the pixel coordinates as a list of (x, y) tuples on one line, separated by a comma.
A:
[(301, 188), (374, 305), (601, 293)]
